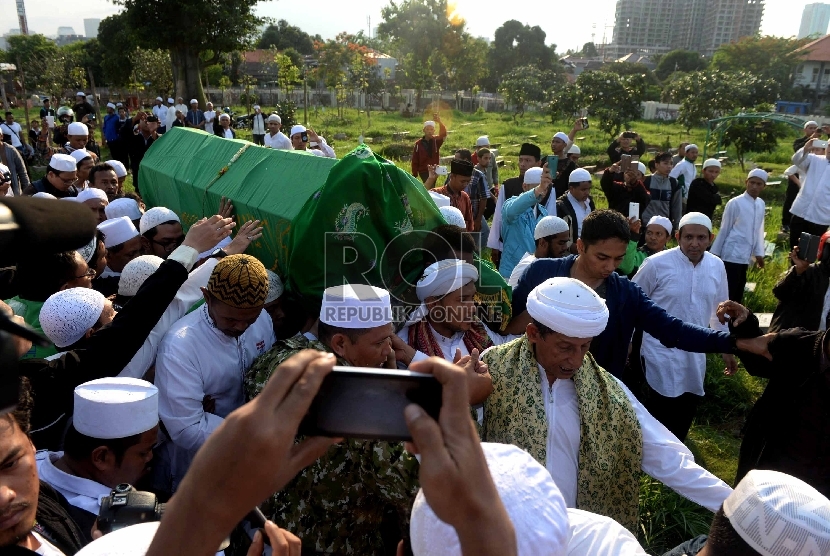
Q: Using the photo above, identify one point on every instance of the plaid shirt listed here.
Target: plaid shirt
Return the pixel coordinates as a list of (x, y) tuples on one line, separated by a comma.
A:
[(477, 191)]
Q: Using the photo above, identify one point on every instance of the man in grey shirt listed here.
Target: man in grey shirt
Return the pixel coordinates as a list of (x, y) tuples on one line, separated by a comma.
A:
[(20, 176)]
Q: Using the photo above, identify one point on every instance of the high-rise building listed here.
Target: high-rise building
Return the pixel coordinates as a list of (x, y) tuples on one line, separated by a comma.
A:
[(814, 20), (65, 31), (659, 26), (91, 28)]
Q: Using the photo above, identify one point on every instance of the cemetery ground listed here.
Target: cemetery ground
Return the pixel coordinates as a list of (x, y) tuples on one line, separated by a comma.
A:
[(666, 518)]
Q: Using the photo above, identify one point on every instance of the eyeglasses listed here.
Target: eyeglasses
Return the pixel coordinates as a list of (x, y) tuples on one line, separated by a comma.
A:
[(90, 272), (169, 244), (69, 182)]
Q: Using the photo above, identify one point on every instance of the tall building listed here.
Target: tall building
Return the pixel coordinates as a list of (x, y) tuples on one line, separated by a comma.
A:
[(814, 20), (66, 31), (91, 28), (655, 26)]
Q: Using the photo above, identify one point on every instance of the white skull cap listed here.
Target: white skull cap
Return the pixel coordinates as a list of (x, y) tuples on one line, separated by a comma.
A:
[(92, 193), (68, 314), (123, 206), (118, 166), (779, 515), (136, 272), (453, 216), (156, 216), (529, 495), (275, 287)]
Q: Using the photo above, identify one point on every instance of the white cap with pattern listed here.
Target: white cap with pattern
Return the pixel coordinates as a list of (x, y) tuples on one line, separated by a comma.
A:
[(136, 272), (779, 515), (549, 226), (68, 314), (275, 287), (156, 216), (453, 216)]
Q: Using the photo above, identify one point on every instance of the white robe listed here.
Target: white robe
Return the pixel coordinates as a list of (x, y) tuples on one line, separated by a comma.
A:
[(741, 234), (188, 295), (278, 141), (598, 535), (672, 372), (519, 269), (664, 457), (196, 359)]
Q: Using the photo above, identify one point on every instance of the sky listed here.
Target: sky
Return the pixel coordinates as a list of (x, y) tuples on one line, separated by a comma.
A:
[(584, 21)]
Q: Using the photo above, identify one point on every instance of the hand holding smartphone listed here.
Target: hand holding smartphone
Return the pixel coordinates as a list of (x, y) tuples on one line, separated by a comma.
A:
[(633, 211)]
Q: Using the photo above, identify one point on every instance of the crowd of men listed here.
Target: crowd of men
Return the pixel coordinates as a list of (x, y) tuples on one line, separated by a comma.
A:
[(177, 363)]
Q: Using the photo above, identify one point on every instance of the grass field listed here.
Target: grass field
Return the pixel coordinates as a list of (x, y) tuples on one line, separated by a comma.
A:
[(666, 518)]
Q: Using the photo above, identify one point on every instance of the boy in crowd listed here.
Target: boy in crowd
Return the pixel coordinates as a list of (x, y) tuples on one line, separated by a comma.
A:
[(666, 194), (703, 192), (741, 234)]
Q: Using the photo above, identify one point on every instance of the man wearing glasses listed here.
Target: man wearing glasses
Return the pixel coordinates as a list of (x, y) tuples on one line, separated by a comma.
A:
[(61, 176), (161, 231)]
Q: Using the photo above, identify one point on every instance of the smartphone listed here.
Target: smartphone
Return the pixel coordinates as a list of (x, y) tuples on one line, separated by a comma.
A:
[(553, 164), (634, 211), (808, 247), (819, 144), (441, 171), (304, 137), (625, 163), (358, 402), (585, 123), (50, 121)]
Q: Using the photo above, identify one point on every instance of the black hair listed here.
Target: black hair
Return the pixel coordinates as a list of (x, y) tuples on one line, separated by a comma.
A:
[(151, 233), (465, 154), (39, 276), (9, 113), (100, 167), (661, 157), (724, 540), (22, 414), (80, 446), (652, 166), (444, 241), (483, 151), (604, 224), (102, 239), (325, 332)]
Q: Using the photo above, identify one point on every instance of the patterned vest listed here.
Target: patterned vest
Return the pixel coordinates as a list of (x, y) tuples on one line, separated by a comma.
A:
[(611, 441)]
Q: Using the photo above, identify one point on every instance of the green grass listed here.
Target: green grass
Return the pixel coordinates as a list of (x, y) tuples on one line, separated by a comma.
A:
[(666, 518)]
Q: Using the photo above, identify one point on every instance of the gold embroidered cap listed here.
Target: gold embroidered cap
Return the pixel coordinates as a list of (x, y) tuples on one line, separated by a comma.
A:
[(239, 281)]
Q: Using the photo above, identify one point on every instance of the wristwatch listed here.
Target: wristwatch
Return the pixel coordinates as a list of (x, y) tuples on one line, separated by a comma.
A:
[(218, 253)]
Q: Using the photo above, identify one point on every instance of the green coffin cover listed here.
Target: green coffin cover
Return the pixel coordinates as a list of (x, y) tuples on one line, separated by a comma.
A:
[(362, 223), (189, 171)]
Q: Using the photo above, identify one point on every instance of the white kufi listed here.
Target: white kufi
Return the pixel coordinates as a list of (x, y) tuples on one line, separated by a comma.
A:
[(88, 251), (134, 540), (275, 287), (123, 206), (68, 314), (661, 221), (62, 163), (77, 128), (453, 216), (118, 166), (92, 193), (136, 272), (758, 173), (695, 218), (117, 230), (779, 515), (356, 306), (156, 216), (533, 176), (115, 407), (549, 226)]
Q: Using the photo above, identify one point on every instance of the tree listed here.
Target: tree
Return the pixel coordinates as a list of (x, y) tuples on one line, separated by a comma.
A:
[(705, 95), (152, 70), (516, 44), (187, 28), (466, 60), (288, 75), (747, 135), (770, 58), (589, 50), (521, 86), (24, 49), (117, 45), (612, 99), (624, 69), (282, 36), (416, 31), (565, 103), (679, 60)]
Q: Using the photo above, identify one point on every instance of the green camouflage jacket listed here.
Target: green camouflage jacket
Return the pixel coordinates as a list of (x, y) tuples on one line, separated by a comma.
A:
[(345, 501)]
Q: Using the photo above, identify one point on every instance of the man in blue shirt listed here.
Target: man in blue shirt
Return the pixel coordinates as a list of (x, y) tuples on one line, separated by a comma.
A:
[(195, 117), (111, 129), (601, 248)]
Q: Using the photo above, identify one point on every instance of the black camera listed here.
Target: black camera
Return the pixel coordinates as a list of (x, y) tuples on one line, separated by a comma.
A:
[(304, 137), (629, 135), (127, 506)]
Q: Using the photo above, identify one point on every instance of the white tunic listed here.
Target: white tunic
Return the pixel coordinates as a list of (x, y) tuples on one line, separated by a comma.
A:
[(688, 171), (188, 295), (519, 269), (581, 210), (741, 234), (278, 141), (13, 131), (210, 117), (690, 293), (81, 493), (161, 113), (664, 457), (324, 150), (46, 548), (171, 116), (258, 124), (195, 359), (598, 535), (813, 200)]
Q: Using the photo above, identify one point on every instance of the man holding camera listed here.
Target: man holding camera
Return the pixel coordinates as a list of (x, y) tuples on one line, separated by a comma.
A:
[(136, 144), (110, 441), (811, 209)]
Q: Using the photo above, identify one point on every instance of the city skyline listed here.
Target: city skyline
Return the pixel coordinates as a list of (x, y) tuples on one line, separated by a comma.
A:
[(780, 18)]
